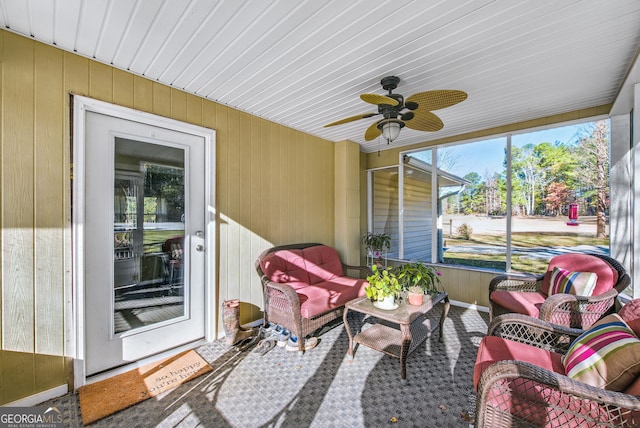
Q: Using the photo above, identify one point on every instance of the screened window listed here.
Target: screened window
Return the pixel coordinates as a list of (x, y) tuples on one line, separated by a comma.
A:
[(508, 203)]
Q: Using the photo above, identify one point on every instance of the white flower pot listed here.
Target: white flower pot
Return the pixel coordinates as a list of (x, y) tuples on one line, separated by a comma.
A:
[(387, 302)]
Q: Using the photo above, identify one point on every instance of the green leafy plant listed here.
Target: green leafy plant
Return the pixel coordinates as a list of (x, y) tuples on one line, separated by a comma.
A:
[(418, 278), (415, 289), (376, 241), (382, 283)]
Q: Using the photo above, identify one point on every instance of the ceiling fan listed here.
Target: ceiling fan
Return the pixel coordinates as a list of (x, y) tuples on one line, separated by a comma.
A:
[(414, 112)]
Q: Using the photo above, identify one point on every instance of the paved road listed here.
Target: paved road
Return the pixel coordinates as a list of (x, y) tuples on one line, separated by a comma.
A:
[(531, 253), (497, 226)]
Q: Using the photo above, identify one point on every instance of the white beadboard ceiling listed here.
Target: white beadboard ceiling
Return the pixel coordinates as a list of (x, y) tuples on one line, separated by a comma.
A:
[(304, 63)]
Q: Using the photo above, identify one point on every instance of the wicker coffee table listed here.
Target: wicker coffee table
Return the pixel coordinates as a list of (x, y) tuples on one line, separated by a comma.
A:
[(396, 332)]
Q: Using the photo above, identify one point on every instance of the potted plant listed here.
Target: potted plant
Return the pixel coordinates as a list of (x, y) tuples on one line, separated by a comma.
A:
[(418, 279), (415, 295), (383, 288), (376, 244)]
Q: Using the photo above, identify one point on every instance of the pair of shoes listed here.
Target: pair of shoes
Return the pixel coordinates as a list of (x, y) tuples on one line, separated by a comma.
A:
[(268, 329), (307, 344), (283, 337), (266, 345)]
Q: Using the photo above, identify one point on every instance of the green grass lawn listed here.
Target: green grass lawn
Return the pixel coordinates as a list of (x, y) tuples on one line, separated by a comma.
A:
[(153, 239), (518, 240)]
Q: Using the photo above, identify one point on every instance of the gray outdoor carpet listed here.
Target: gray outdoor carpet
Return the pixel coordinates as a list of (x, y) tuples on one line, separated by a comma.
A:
[(323, 388)]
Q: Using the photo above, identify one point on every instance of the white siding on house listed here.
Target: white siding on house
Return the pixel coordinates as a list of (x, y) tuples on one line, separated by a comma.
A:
[(417, 212), (385, 205), (417, 216)]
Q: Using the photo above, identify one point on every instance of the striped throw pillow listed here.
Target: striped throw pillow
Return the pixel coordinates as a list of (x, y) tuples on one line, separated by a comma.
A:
[(607, 355), (576, 283)]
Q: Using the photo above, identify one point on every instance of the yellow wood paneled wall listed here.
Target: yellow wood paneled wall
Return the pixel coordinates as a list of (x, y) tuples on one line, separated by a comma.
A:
[(466, 285), (274, 185)]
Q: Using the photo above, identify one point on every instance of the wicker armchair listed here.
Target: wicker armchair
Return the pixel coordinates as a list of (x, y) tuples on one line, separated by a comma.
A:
[(283, 301), (562, 309), (514, 392)]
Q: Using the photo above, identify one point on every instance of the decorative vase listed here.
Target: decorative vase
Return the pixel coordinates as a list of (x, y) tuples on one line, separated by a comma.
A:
[(415, 299)]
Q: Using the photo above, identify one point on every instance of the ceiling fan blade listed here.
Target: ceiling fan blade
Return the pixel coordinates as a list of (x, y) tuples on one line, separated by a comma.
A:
[(435, 100), (424, 120), (378, 99), (351, 119), (372, 132)]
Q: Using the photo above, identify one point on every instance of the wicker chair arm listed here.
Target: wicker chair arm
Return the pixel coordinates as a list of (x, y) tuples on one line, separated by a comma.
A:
[(614, 408), (577, 311), (509, 282), (534, 332), (362, 271), (282, 291)]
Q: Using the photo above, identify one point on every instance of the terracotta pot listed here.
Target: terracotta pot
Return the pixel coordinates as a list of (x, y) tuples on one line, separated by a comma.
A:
[(415, 298)]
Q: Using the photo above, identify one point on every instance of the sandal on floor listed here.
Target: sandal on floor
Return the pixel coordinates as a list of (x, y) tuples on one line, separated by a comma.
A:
[(266, 345), (246, 343)]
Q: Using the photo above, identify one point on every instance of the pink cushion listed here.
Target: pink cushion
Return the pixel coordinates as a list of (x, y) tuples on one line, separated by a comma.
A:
[(630, 313), (286, 266), (576, 262), (324, 296), (529, 400), (323, 263), (493, 349), (527, 303)]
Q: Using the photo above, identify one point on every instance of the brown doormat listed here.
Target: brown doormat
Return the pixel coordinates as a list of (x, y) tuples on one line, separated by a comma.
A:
[(103, 398)]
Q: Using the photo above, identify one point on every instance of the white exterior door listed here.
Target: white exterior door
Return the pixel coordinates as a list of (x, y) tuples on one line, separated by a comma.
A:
[(144, 240)]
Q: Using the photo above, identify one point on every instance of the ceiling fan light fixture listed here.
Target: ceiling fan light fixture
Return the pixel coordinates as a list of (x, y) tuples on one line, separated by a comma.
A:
[(390, 129), (394, 117)]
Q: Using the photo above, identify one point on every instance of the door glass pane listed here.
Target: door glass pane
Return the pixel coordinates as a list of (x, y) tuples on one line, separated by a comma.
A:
[(149, 214)]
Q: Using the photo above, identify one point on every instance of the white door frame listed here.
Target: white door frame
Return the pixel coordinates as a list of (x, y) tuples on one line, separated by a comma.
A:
[(75, 343)]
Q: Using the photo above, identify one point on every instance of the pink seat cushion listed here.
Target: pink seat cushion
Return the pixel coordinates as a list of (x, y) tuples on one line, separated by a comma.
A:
[(576, 262), (493, 349), (527, 303), (323, 263), (630, 313), (286, 266), (324, 296), (531, 401)]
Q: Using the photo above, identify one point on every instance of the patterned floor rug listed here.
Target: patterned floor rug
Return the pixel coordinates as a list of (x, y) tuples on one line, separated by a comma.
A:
[(322, 388)]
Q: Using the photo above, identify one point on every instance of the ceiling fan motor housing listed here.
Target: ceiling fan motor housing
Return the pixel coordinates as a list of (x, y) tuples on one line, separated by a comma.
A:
[(389, 83)]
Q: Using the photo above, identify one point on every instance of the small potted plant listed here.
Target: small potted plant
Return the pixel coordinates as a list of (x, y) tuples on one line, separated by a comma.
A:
[(418, 279), (376, 244), (415, 295), (383, 288)]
